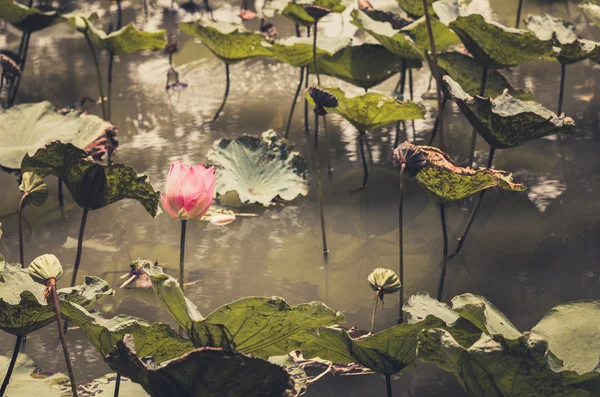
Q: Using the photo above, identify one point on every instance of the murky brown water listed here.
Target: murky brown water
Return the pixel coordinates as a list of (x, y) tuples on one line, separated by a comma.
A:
[(526, 252)]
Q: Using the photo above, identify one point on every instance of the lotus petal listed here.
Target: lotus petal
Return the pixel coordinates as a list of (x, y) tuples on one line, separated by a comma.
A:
[(92, 185), (506, 122), (253, 170), (28, 127)]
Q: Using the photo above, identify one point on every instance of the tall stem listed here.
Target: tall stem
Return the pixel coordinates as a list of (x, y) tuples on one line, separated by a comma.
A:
[(410, 91), (561, 93), (438, 77), (98, 74), (401, 244), (388, 385), (228, 82), (111, 61), (399, 90), (117, 385), (374, 311), (119, 15), (61, 199), (20, 221), (307, 70), (436, 123), (319, 186), (23, 55), (298, 89), (315, 54), (11, 365), (63, 340), (363, 157), (182, 254), (519, 14), (445, 251), (77, 256), (484, 74)]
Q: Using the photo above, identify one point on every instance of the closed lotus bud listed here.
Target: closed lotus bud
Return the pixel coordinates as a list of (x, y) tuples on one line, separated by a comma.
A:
[(44, 268), (190, 191), (36, 189), (384, 280)]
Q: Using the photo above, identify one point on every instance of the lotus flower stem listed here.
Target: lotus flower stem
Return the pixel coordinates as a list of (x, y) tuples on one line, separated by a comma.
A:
[(77, 255), (438, 77), (20, 221), (388, 385), (484, 74), (11, 365), (289, 122), (519, 14), (61, 200), (401, 244), (374, 311), (228, 82), (98, 75), (315, 54), (182, 254), (445, 251), (363, 157), (320, 187), (61, 334), (437, 122), (117, 385)]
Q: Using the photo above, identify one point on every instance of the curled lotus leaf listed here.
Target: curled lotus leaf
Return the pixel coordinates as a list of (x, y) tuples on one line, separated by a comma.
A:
[(253, 170), (203, 372), (158, 340), (296, 10), (260, 326), (27, 379), (28, 127), (571, 330), (298, 51), (231, 43), (506, 122), (484, 315), (92, 185), (394, 40), (384, 280), (496, 366), (449, 182), (388, 11), (36, 189), (23, 306), (44, 268), (27, 19), (371, 110)]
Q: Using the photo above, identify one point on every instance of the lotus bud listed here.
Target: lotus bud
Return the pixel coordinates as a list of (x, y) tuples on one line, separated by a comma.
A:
[(44, 268), (35, 188), (189, 191), (222, 219)]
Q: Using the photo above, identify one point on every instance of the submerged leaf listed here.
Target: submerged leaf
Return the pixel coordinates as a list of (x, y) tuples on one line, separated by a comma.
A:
[(230, 43), (253, 170), (27, 19), (28, 380), (28, 127), (506, 122), (204, 372), (298, 51), (372, 110), (92, 185), (36, 189), (23, 306)]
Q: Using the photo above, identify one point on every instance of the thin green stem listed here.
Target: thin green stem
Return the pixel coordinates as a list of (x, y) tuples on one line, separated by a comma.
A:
[(20, 221), (436, 123), (111, 61), (98, 74), (520, 7), (374, 311), (307, 73), (401, 243), (23, 55), (319, 186), (228, 82), (363, 157), (438, 76), (291, 116), (117, 385), (315, 54), (484, 74), (61, 199), (11, 365), (182, 254), (63, 340), (445, 252), (119, 15), (77, 256), (388, 385)]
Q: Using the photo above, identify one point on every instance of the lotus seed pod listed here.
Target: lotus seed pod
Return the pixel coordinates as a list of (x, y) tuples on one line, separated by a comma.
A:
[(384, 280), (37, 189), (45, 267)]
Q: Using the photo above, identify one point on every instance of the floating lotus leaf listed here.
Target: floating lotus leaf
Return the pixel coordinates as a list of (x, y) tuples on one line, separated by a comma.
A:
[(493, 45), (592, 12), (204, 372), (253, 170), (28, 127), (92, 185), (572, 334), (23, 306), (44, 268), (499, 367), (27, 19), (506, 122), (295, 10), (231, 43), (27, 380), (364, 65), (479, 311), (385, 280), (152, 339), (449, 182), (443, 36), (372, 110), (261, 326), (124, 41), (415, 8), (298, 51), (392, 39), (35, 188)]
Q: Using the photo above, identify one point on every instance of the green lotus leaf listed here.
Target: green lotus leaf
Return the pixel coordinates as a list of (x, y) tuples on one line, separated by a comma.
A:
[(415, 8), (443, 36), (124, 41), (484, 315), (493, 45), (27, 379), (364, 65), (152, 339), (28, 127), (468, 73), (45, 267), (253, 170), (229, 42), (36, 189), (371, 110), (449, 182), (92, 185), (394, 40), (385, 280), (27, 19), (296, 372), (499, 367), (506, 122), (203, 372), (260, 326), (572, 330), (298, 51), (23, 306), (294, 10), (592, 12)]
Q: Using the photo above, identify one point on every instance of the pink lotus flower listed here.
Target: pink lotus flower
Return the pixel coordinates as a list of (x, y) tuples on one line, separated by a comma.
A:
[(189, 192)]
